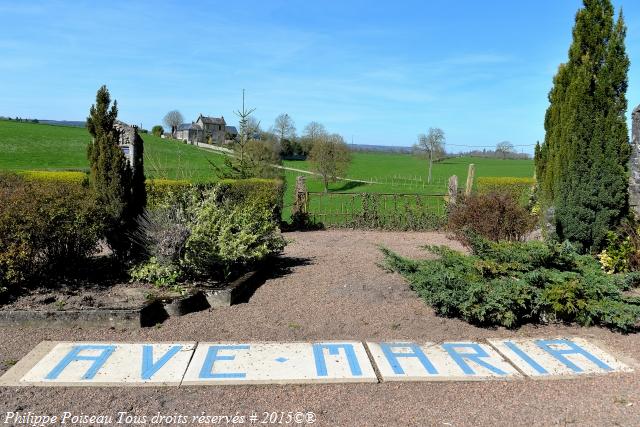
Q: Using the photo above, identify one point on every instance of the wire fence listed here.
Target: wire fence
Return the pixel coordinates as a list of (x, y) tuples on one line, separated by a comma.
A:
[(377, 210)]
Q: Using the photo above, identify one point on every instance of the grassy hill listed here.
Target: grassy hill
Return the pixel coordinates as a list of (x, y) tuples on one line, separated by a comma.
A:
[(40, 146)]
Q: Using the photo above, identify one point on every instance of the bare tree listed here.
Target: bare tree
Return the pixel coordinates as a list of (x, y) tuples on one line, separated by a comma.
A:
[(314, 130), (284, 127), (431, 145), (312, 133), (504, 148), (173, 119), (330, 158), (253, 128)]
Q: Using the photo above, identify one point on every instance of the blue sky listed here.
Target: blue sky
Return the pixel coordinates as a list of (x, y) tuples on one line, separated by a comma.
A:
[(380, 72)]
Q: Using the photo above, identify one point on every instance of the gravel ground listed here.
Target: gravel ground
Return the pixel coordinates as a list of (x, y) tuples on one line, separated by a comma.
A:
[(330, 288)]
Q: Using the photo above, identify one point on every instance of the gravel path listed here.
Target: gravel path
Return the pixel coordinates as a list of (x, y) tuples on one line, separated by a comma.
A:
[(330, 288)]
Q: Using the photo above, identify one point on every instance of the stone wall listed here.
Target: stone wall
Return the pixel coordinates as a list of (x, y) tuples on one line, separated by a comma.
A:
[(127, 133), (634, 167)]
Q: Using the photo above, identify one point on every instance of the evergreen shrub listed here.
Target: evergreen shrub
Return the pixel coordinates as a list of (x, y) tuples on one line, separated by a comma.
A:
[(512, 283)]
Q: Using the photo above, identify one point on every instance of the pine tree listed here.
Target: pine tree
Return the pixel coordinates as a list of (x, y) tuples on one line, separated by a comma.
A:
[(111, 175), (582, 164)]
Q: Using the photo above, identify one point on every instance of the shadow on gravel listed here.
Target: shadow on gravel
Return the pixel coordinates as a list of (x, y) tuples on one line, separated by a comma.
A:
[(275, 268)]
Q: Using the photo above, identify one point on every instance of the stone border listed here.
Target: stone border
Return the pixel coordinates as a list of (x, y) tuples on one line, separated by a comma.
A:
[(147, 315), (235, 292)]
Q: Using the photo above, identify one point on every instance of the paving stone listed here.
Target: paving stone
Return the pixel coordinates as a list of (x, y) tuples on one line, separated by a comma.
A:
[(452, 361), (558, 357), (279, 363), (103, 363)]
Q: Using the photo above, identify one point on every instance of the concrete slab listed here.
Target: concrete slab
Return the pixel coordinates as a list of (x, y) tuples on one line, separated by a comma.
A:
[(279, 363), (558, 357), (451, 361), (102, 364)]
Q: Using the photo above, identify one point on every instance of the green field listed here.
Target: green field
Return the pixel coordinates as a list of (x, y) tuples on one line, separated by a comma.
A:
[(37, 146)]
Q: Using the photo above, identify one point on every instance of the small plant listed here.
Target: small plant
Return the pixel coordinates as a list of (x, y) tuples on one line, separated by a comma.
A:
[(622, 253), (163, 232), (226, 239), (156, 273), (495, 216)]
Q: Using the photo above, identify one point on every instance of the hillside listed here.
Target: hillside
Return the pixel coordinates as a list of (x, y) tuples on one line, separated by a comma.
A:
[(41, 146)]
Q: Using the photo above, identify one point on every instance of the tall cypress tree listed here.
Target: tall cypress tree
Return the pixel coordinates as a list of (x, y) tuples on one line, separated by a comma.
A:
[(582, 164), (111, 174)]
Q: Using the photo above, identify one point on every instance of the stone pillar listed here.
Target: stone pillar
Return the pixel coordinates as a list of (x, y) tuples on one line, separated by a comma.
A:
[(300, 202), (453, 189), (471, 174), (634, 164)]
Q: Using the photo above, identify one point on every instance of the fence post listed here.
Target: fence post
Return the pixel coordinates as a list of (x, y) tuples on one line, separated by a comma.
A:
[(453, 189), (300, 201), (470, 175)]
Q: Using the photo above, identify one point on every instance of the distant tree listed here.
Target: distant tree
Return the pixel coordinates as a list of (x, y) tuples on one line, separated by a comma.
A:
[(173, 119), (262, 159), (241, 164), (112, 176), (313, 132), (504, 149), (157, 130), (431, 145), (330, 158), (284, 127), (253, 128)]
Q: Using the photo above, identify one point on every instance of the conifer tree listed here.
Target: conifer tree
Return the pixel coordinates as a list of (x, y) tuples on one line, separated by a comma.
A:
[(582, 164), (111, 175)]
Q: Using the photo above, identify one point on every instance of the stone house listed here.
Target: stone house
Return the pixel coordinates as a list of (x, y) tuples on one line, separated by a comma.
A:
[(189, 132), (206, 130)]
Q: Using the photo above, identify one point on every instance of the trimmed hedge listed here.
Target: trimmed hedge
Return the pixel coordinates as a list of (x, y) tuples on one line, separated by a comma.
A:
[(165, 192), (519, 188), (162, 192), (46, 227), (267, 193), (71, 177)]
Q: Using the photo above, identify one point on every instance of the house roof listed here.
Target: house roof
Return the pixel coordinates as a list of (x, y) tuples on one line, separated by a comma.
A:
[(231, 129), (188, 126), (212, 120)]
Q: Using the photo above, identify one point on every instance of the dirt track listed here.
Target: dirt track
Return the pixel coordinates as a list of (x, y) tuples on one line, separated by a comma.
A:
[(329, 288)]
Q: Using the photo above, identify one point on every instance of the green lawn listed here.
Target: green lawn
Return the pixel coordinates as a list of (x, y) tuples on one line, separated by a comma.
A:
[(37, 146)]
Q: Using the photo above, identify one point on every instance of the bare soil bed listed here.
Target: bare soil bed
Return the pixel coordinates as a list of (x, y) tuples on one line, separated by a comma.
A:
[(120, 295), (328, 286)]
